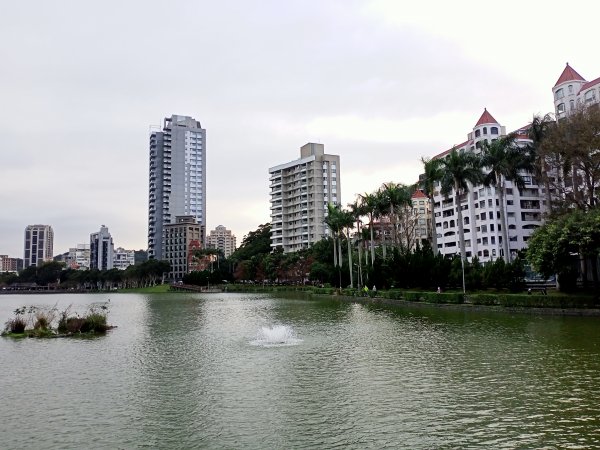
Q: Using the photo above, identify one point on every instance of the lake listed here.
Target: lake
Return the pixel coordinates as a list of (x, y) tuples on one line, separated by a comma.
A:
[(271, 372)]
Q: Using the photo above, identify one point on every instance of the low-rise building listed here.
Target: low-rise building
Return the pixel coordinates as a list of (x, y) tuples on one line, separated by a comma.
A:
[(12, 265), (122, 258), (78, 258), (181, 241)]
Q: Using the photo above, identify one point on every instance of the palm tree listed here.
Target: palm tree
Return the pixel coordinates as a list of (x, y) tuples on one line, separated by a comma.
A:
[(395, 197), (538, 132), (369, 204), (357, 210), (333, 221), (460, 168), (432, 174), (347, 222), (505, 161)]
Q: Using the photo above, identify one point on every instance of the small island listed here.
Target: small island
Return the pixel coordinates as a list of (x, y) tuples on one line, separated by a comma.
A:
[(39, 322)]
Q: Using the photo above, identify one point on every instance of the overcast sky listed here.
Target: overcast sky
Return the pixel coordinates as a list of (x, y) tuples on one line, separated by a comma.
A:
[(381, 83)]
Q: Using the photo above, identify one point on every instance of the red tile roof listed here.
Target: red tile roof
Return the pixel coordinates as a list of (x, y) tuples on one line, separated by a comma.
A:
[(459, 146), (486, 117), (419, 194), (589, 84), (569, 74)]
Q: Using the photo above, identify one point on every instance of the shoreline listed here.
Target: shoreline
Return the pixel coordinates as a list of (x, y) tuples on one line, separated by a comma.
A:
[(375, 300), (573, 312)]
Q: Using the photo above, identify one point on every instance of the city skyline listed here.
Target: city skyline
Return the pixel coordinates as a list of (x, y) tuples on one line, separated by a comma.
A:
[(84, 85)]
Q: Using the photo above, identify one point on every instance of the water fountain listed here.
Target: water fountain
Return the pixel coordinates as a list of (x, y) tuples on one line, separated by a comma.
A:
[(276, 336)]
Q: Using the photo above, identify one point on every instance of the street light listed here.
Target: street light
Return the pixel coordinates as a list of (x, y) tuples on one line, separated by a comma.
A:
[(462, 261)]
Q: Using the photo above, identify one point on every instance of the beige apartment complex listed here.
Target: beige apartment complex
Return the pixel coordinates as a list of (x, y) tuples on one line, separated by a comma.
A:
[(221, 238), (300, 191)]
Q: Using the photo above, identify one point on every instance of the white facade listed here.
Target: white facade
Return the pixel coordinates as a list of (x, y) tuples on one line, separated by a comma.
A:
[(101, 250), (177, 180), (572, 91), (300, 191), (122, 258), (222, 239), (481, 206), (39, 245), (79, 257)]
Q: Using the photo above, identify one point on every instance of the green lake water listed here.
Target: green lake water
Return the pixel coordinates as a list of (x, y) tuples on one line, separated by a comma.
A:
[(265, 372)]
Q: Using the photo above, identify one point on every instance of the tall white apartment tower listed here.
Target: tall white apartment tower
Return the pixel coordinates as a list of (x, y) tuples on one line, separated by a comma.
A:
[(39, 242), (300, 192), (177, 181), (102, 249)]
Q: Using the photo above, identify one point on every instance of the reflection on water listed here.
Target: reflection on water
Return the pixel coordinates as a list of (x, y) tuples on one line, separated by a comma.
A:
[(179, 372)]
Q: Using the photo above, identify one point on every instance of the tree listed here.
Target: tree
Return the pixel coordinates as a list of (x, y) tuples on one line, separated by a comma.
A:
[(369, 205), (572, 149), (552, 246), (459, 169), (505, 162), (538, 132)]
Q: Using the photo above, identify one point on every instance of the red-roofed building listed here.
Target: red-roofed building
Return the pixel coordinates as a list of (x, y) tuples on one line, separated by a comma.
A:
[(572, 91), (481, 205)]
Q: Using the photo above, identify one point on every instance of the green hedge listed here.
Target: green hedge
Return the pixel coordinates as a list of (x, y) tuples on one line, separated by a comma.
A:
[(443, 297)]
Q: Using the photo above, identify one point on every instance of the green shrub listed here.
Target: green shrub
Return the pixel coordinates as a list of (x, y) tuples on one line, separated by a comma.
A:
[(443, 297), (95, 323), (484, 299), (412, 296)]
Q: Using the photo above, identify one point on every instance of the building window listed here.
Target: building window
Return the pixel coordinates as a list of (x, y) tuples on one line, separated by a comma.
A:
[(484, 130), (590, 96), (477, 133), (572, 105), (570, 89), (494, 130), (559, 94), (560, 109)]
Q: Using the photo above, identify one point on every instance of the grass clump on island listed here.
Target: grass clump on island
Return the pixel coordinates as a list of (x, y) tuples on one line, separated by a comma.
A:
[(39, 322)]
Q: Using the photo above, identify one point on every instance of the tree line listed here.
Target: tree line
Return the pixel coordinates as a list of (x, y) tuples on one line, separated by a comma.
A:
[(376, 240)]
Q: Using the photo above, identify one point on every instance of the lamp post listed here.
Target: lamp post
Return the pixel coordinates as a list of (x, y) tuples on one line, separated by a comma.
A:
[(462, 262)]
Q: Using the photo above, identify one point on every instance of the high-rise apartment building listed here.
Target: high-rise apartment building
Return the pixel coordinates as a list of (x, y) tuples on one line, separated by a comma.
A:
[(300, 192), (182, 238), (101, 249), (221, 238), (481, 205), (39, 243), (177, 182)]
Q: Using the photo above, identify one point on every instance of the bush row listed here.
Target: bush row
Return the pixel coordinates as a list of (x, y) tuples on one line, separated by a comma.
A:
[(499, 299)]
